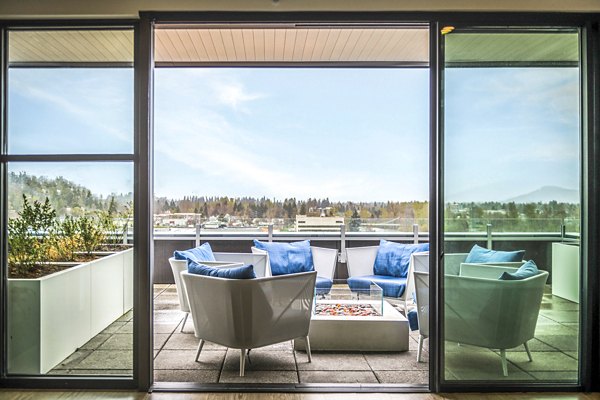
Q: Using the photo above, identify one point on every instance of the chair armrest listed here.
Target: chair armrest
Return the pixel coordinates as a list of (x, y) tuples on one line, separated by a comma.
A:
[(267, 262), (221, 264), (486, 271), (452, 263), (324, 261), (259, 261), (360, 260)]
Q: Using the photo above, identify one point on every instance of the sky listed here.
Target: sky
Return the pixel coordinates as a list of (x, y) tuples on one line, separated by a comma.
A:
[(346, 134)]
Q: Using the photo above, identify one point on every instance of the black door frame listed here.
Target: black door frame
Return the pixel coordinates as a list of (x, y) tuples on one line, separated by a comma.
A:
[(143, 64)]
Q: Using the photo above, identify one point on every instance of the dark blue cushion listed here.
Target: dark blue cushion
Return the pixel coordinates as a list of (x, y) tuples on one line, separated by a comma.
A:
[(244, 272), (393, 258), (390, 285), (480, 254), (526, 270), (200, 253), (323, 285), (288, 258), (413, 320)]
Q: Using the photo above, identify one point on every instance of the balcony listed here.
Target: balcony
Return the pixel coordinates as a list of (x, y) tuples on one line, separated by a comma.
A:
[(554, 349)]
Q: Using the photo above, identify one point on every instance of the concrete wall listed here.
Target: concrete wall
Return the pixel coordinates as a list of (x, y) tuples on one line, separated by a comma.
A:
[(131, 8)]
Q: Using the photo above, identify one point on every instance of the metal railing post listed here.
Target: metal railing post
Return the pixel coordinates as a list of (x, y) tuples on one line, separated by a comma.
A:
[(270, 232), (416, 233), (563, 231), (489, 236), (198, 228), (342, 255)]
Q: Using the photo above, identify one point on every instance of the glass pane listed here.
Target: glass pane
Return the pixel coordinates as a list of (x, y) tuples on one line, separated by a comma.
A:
[(70, 268), (61, 110), (512, 170)]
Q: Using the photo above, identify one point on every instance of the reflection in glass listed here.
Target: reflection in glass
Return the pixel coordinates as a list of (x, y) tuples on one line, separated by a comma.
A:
[(70, 268), (511, 178)]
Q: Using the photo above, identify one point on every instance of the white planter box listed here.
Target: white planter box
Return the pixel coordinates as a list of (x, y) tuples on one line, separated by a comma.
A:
[(50, 317), (565, 271)]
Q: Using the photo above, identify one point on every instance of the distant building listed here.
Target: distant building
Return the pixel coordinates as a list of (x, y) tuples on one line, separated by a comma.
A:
[(318, 224)]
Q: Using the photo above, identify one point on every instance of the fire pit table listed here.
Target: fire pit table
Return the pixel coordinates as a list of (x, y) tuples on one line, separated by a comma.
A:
[(355, 320)]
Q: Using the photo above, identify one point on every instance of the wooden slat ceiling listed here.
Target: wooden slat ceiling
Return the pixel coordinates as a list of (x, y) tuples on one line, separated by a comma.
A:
[(70, 46), (511, 47), (281, 45)]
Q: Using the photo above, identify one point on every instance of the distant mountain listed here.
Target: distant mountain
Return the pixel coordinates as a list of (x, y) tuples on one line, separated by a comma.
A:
[(546, 194)]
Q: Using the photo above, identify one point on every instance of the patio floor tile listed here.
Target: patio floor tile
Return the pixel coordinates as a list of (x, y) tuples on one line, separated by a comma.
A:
[(261, 360), (397, 361), (192, 375), (543, 361), (96, 341), (184, 359), (251, 376), (107, 359), (118, 341), (409, 377), (334, 376), (333, 362)]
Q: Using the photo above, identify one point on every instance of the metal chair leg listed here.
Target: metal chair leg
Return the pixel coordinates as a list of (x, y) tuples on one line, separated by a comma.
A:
[(504, 363), (242, 361), (420, 349), (184, 321), (528, 352), (308, 353), (200, 345)]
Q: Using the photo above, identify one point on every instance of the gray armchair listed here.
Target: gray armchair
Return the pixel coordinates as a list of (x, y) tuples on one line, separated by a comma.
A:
[(249, 313), (483, 311)]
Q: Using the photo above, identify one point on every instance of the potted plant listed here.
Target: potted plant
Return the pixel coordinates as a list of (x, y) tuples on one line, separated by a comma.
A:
[(68, 280)]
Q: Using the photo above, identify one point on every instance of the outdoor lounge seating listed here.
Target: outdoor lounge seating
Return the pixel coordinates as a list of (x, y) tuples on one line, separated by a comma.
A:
[(323, 261), (249, 313), (221, 260), (388, 267), (485, 311)]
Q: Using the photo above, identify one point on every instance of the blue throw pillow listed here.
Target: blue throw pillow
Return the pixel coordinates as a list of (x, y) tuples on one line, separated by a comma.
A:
[(413, 320), (480, 254), (244, 272), (288, 258), (526, 270), (393, 258), (200, 253)]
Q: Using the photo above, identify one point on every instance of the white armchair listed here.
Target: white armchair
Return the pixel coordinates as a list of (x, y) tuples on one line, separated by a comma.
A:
[(249, 313), (360, 262), (224, 260)]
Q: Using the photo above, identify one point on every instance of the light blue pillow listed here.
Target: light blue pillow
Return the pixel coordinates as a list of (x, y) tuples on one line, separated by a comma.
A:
[(201, 253), (243, 272), (393, 258), (480, 254), (526, 270), (288, 258)]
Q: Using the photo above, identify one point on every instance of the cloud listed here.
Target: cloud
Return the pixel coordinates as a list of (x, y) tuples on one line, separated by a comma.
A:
[(98, 102), (234, 94)]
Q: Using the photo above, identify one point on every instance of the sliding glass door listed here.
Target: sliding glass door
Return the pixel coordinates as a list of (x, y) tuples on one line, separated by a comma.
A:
[(511, 233)]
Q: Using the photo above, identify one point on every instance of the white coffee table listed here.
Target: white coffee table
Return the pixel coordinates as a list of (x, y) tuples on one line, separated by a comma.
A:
[(388, 332)]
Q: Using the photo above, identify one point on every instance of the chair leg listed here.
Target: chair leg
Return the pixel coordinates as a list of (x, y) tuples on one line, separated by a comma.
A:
[(184, 321), (504, 363), (528, 352), (200, 345), (308, 353), (420, 349), (242, 361)]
